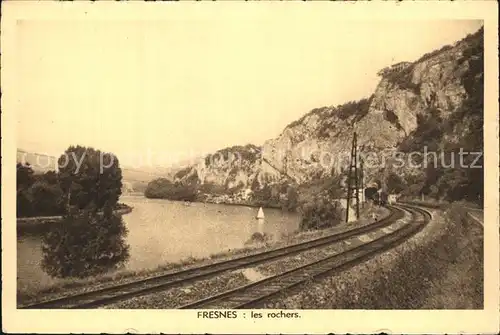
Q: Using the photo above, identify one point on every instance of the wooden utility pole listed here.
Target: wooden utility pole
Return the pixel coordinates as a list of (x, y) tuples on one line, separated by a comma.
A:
[(353, 165), (356, 175)]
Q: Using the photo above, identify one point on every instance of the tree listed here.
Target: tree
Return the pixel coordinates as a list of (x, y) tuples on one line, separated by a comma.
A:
[(90, 239), (163, 188), (24, 201), (46, 198), (434, 192), (24, 180), (89, 178), (265, 196), (291, 201), (50, 177), (85, 243), (395, 183), (320, 213), (24, 176), (37, 195)]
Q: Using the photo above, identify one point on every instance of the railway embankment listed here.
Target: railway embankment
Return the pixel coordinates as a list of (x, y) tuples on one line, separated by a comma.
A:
[(180, 296), (198, 289), (426, 272)]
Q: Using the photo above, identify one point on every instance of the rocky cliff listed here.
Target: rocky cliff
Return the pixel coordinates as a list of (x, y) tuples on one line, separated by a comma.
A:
[(232, 167), (438, 86)]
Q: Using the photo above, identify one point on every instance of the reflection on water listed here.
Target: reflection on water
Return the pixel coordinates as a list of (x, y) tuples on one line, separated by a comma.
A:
[(85, 245), (162, 231)]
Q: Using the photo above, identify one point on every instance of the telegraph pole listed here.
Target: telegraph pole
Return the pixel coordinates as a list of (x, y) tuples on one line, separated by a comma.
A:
[(353, 165), (356, 174)]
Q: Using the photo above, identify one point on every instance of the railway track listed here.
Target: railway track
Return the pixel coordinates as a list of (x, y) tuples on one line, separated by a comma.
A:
[(476, 214), (108, 295), (250, 296)]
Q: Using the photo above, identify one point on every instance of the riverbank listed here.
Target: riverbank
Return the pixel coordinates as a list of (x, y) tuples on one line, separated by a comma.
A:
[(252, 205), (223, 201), (74, 285), (40, 224)]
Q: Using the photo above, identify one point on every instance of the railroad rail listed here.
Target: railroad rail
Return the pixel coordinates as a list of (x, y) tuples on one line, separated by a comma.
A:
[(476, 219), (250, 296), (108, 295), (470, 211)]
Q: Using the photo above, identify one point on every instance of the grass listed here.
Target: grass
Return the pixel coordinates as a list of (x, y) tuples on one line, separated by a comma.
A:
[(439, 268)]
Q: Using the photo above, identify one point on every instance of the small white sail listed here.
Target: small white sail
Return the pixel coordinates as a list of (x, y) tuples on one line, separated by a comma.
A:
[(260, 214)]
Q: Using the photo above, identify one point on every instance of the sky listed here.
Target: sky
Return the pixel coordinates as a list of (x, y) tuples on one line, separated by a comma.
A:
[(180, 88)]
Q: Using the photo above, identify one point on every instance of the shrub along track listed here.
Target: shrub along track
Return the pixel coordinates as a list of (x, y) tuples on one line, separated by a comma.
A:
[(253, 295), (105, 296)]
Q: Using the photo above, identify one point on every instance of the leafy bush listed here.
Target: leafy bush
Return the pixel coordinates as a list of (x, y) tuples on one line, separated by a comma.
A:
[(258, 237), (24, 176), (249, 153), (96, 182), (395, 184), (402, 79), (37, 195), (321, 213), (266, 197), (24, 197), (353, 108), (433, 53), (291, 199), (162, 188), (85, 244), (182, 173), (314, 111), (46, 199)]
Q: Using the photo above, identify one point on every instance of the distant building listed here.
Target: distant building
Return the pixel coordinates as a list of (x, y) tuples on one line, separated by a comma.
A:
[(394, 68), (400, 66)]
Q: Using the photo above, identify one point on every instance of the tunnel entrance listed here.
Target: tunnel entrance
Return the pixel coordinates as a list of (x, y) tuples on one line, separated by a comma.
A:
[(371, 194)]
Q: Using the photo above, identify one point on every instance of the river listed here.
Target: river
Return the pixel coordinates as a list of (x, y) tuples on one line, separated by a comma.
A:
[(162, 231)]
